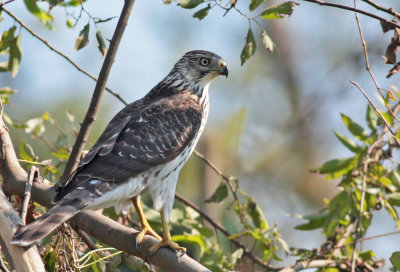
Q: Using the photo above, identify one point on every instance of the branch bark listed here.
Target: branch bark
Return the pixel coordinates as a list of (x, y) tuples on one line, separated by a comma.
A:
[(321, 3), (20, 259), (94, 106)]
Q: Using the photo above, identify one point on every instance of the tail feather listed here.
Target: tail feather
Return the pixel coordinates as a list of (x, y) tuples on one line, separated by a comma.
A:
[(61, 212)]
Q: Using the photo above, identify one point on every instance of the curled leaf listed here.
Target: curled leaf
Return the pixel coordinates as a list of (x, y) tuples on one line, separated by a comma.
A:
[(249, 48), (83, 38), (267, 41), (254, 4), (102, 45), (201, 14), (189, 4)]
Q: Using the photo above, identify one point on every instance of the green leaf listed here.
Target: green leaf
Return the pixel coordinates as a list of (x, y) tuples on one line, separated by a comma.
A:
[(15, 56), (201, 14), (7, 91), (267, 41), (279, 11), (26, 151), (4, 66), (62, 153), (347, 142), (358, 131), (83, 38), (189, 4), (256, 214), (236, 255), (394, 199), (315, 222), (366, 255), (7, 38), (50, 260), (395, 177), (249, 48), (102, 45), (35, 10), (395, 259), (98, 265), (190, 239), (335, 165), (255, 4), (220, 193), (70, 24)]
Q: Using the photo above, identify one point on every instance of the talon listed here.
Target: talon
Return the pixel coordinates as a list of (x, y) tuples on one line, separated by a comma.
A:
[(146, 229), (164, 243)]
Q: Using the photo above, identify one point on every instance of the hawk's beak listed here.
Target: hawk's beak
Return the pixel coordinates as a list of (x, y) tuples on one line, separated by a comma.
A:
[(223, 71)]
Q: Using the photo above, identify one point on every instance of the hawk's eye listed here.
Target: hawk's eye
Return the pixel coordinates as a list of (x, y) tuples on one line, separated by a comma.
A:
[(204, 61)]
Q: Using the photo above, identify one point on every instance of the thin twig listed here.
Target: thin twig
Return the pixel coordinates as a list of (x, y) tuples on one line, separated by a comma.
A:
[(51, 47), (367, 65), (5, 3), (98, 92), (362, 200), (379, 236), (382, 8), (378, 111), (355, 10), (226, 179), (32, 174)]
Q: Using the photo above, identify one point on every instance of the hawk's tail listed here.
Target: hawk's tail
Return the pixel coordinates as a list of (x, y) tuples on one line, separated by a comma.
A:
[(61, 212)]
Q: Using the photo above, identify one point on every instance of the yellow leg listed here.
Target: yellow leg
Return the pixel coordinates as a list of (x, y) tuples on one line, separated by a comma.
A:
[(146, 228), (166, 240)]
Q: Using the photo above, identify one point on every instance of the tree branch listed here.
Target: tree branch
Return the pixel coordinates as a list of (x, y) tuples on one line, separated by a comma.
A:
[(58, 52), (20, 260), (382, 8), (94, 106), (355, 10)]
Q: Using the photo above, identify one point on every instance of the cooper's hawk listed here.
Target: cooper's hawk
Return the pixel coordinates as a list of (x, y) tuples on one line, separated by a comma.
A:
[(143, 148)]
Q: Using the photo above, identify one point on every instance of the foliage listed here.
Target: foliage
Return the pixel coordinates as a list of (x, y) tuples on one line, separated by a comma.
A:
[(369, 178)]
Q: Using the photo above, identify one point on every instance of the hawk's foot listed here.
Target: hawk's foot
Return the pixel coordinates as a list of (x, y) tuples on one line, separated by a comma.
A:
[(146, 229), (165, 243)]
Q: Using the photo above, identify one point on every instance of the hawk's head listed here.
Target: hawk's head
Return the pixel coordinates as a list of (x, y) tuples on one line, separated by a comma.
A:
[(197, 68)]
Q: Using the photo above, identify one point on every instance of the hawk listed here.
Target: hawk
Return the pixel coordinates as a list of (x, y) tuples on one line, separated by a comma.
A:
[(143, 148)]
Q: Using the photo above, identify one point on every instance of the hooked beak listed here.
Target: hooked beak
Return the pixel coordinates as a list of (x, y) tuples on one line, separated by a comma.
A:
[(223, 71)]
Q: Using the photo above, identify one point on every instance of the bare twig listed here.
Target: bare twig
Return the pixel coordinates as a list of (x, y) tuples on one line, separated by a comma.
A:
[(382, 8), (98, 92), (362, 200), (379, 236), (5, 3), (367, 65), (32, 174), (355, 10), (378, 111), (51, 47), (315, 264)]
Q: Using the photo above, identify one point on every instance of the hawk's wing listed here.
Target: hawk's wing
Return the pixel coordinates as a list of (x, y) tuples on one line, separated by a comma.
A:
[(138, 138)]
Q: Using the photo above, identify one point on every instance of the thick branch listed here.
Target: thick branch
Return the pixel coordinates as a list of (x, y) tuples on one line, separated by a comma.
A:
[(355, 10), (20, 259), (94, 106)]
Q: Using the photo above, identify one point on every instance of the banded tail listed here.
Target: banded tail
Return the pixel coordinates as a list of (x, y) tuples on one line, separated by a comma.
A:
[(61, 212)]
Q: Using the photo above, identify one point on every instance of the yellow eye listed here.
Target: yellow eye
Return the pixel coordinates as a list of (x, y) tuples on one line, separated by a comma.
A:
[(204, 61)]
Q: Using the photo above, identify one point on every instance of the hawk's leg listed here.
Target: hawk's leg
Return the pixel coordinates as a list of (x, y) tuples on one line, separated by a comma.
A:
[(166, 240), (146, 228)]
